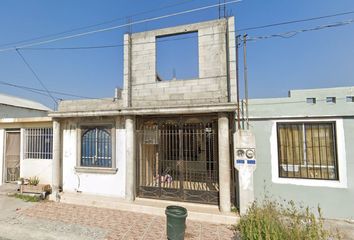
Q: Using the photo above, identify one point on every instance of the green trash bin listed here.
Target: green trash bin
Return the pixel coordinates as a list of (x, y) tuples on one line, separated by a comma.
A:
[(176, 222)]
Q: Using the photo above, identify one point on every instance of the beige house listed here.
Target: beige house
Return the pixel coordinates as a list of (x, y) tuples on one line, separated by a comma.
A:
[(165, 139)]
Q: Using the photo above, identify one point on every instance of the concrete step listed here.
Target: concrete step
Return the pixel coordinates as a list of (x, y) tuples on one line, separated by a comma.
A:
[(196, 212)]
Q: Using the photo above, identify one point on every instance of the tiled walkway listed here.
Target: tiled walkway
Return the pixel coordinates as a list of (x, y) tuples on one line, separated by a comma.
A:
[(123, 225)]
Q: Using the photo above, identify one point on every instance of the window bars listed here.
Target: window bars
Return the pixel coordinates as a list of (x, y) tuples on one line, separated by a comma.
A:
[(307, 150), (38, 143), (96, 147)]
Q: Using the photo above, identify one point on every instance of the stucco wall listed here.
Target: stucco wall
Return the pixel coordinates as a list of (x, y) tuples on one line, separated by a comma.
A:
[(92, 183), (336, 202), (41, 168), (1, 155)]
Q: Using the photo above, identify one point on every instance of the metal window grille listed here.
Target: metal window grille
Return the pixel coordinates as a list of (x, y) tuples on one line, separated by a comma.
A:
[(307, 150), (38, 143), (96, 147)]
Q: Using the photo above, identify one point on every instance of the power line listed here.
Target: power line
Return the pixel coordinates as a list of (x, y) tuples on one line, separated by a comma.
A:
[(293, 33), (35, 75), (40, 91), (118, 26), (296, 21), (122, 45), (95, 25)]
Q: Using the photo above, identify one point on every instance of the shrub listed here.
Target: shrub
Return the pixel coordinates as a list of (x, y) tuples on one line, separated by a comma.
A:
[(270, 220)]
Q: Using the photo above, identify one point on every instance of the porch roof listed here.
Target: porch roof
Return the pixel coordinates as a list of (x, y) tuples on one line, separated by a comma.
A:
[(188, 109)]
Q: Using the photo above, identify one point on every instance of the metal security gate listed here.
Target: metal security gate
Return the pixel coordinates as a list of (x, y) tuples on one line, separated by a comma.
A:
[(12, 156), (178, 159)]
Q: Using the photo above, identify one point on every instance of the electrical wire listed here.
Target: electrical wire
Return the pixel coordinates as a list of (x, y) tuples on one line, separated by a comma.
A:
[(296, 21), (95, 25), (122, 45), (118, 26), (36, 90), (35, 75), (293, 33)]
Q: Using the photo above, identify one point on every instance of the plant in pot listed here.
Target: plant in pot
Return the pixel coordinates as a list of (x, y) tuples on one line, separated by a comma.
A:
[(33, 181)]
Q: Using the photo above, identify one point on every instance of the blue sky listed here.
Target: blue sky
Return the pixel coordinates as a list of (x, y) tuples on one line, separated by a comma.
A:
[(314, 59)]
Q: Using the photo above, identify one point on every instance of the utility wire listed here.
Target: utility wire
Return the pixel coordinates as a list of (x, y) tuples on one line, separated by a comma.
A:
[(282, 35), (122, 45), (293, 33), (296, 21), (35, 75), (94, 25), (36, 90), (118, 26)]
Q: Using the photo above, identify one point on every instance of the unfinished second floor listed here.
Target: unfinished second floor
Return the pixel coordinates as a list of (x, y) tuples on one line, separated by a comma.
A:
[(210, 82), (151, 79)]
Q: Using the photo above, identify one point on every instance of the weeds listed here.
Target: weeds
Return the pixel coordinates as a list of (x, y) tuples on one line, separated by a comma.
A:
[(271, 220), (27, 198)]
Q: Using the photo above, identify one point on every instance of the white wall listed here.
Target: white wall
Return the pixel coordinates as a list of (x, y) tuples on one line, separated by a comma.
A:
[(92, 183), (2, 131), (41, 168)]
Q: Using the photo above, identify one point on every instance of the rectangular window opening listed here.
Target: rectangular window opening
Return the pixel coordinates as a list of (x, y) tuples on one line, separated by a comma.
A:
[(311, 100), (331, 99), (350, 98), (38, 143), (177, 57), (307, 150)]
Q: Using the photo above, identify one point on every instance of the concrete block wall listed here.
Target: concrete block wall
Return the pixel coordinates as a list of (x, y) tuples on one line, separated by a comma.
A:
[(217, 77)]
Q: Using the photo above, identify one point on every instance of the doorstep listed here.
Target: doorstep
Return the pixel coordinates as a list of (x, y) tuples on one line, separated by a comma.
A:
[(196, 212)]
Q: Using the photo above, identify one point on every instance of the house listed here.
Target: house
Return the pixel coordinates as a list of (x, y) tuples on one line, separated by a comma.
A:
[(165, 139), (25, 140), (305, 148)]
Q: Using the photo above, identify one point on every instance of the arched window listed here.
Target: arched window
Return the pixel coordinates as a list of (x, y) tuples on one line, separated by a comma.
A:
[(96, 147)]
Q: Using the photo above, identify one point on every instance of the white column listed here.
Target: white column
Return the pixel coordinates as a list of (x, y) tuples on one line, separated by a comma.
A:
[(224, 163), (130, 158), (56, 171)]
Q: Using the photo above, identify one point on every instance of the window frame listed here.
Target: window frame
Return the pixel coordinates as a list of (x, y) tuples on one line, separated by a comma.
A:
[(25, 141), (340, 151), (305, 148), (94, 169)]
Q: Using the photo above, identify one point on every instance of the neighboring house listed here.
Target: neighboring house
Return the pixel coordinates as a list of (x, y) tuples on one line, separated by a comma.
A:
[(305, 148), (15, 107), (163, 139), (25, 140)]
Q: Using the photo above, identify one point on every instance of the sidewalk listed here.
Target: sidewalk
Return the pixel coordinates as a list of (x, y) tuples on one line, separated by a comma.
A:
[(122, 224)]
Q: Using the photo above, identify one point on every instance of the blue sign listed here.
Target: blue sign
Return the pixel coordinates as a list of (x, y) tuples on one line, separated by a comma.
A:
[(251, 161), (240, 161)]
